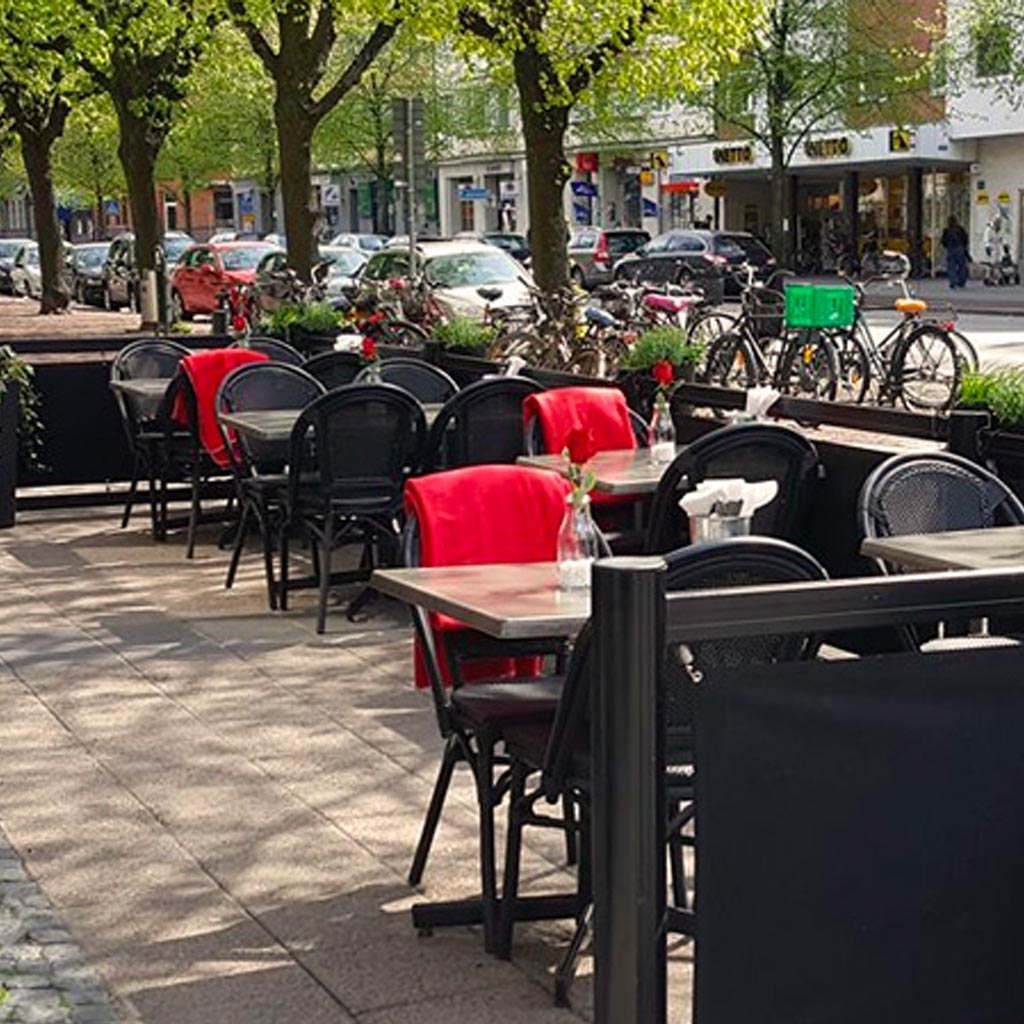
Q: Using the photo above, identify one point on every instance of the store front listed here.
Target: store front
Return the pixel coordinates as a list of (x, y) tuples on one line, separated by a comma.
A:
[(851, 194)]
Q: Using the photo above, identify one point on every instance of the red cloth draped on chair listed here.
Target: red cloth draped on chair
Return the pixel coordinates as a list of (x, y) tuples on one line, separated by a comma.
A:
[(205, 371), (479, 515), (602, 411)]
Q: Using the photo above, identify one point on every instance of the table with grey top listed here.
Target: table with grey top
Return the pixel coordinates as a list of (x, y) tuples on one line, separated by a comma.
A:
[(998, 547), (269, 425), (625, 472), (510, 602)]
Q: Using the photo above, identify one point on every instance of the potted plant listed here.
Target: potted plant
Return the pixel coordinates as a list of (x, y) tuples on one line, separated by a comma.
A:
[(463, 335), (310, 327), (659, 346), (1000, 392), (19, 426)]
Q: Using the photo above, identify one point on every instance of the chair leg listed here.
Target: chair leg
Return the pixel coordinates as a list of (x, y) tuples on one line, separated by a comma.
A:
[(282, 560), (130, 497), (571, 837), (263, 517), (326, 543), (193, 515), (565, 973), (513, 851), (488, 871), (154, 495), (236, 549), (450, 758)]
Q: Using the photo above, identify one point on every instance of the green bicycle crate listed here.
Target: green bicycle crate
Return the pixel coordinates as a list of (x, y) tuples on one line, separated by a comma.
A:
[(821, 305)]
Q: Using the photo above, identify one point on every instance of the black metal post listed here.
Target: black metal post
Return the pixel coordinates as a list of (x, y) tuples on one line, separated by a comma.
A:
[(8, 452), (967, 433), (628, 792)]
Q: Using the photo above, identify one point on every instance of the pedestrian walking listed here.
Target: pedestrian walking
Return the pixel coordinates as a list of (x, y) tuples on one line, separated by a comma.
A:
[(954, 241)]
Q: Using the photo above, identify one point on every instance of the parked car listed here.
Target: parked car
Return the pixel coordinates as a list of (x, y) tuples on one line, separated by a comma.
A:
[(356, 240), (9, 248), (230, 235), (120, 274), (739, 247), (205, 271), (593, 252), (678, 257), (275, 238), (26, 276), (87, 272), (273, 282), (515, 245), (457, 271), (343, 272)]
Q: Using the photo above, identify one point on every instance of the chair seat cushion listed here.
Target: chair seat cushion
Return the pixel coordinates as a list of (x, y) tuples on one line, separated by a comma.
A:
[(495, 704)]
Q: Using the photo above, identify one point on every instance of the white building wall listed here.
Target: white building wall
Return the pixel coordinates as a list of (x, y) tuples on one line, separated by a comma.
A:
[(997, 193)]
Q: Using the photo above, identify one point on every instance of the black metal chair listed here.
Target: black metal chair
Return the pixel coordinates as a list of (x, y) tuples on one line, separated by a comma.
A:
[(428, 384), (334, 369), (482, 423), (934, 492), (753, 451), (561, 751), (350, 454), (272, 348), (257, 467), (150, 358)]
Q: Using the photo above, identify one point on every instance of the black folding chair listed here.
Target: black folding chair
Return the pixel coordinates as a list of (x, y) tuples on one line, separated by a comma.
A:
[(258, 467), (482, 423), (349, 456), (429, 384), (334, 369), (272, 348)]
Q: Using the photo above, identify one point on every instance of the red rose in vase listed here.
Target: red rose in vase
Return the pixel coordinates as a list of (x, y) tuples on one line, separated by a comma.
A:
[(664, 373)]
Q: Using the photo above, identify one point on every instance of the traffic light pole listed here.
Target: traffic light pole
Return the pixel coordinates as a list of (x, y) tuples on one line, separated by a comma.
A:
[(410, 177)]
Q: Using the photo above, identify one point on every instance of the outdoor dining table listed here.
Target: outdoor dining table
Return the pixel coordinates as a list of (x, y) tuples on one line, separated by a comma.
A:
[(997, 547), (146, 392), (622, 471), (270, 425)]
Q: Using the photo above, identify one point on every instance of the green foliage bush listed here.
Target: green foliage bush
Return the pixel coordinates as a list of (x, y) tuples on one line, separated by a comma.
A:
[(999, 390), (662, 343), (311, 318), (463, 332)]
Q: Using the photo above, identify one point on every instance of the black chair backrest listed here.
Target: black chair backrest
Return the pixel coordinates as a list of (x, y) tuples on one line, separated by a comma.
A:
[(746, 561), (272, 348), (258, 386), (931, 493), (334, 369), (428, 384), (481, 424), (153, 358), (753, 451), (361, 442)]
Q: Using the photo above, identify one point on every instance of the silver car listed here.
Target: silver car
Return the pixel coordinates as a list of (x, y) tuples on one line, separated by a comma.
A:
[(26, 275)]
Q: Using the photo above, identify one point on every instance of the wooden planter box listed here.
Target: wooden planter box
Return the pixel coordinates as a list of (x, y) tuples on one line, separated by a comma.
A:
[(8, 454)]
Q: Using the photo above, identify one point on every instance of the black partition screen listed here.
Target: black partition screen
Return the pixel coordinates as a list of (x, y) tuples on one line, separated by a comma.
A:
[(860, 842)]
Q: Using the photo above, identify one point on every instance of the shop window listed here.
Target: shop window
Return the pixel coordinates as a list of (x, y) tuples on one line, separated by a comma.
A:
[(466, 217), (170, 211), (223, 205), (993, 49)]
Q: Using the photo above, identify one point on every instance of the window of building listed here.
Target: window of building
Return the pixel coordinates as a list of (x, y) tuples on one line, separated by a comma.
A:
[(223, 205), (466, 217), (993, 49), (170, 211)]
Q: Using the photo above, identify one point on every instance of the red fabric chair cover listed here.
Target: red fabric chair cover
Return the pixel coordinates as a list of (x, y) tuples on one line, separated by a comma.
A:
[(479, 515), (603, 411), (205, 371)]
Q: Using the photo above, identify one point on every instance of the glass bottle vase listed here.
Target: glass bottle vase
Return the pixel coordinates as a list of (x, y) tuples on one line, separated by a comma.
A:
[(372, 371), (577, 544), (662, 433)]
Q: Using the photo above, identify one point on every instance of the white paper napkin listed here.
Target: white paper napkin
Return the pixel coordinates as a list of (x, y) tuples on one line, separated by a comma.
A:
[(710, 496), (760, 400)]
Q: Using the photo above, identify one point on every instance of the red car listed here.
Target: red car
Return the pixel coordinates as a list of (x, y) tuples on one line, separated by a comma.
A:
[(205, 271)]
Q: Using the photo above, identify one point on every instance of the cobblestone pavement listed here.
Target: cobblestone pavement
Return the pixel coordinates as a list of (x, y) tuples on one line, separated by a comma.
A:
[(44, 978)]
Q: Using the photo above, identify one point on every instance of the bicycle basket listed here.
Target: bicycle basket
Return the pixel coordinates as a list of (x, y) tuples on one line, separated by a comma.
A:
[(766, 311)]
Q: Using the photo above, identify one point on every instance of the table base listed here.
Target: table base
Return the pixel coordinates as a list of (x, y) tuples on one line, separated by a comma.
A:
[(451, 913)]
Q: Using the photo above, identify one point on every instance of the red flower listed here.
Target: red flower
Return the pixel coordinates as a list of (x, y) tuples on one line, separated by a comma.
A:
[(580, 446), (629, 338), (375, 318), (663, 372), (369, 349), (239, 323)]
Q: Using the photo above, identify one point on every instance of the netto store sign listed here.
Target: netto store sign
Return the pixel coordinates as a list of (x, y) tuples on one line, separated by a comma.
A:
[(725, 155), (828, 149)]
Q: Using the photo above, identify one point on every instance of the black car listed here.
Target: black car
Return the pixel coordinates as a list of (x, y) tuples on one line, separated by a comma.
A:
[(739, 247), (515, 245), (679, 257), (87, 273)]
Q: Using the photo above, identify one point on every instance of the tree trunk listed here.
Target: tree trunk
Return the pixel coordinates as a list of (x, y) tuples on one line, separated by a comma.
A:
[(186, 203), (295, 142), (98, 229), (36, 150), (781, 221), (138, 148), (547, 171)]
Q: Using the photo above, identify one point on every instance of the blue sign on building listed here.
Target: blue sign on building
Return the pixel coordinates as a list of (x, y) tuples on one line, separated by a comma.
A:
[(650, 208), (246, 202), (112, 207), (583, 188), (474, 192)]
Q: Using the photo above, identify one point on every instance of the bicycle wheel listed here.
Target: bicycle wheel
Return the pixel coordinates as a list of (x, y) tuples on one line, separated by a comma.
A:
[(854, 367), (707, 327), (400, 333), (730, 363), (809, 367), (969, 361), (524, 345), (926, 369)]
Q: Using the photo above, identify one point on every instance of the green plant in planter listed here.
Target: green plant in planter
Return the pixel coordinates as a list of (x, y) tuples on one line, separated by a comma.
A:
[(14, 370), (312, 318), (999, 390), (660, 345), (975, 388), (463, 332)]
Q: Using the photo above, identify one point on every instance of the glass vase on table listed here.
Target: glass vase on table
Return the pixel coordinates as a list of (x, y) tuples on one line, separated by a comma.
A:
[(577, 544), (662, 432)]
